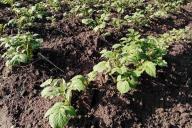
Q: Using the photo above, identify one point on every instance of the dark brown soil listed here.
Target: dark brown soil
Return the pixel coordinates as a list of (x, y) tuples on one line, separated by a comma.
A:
[(163, 102)]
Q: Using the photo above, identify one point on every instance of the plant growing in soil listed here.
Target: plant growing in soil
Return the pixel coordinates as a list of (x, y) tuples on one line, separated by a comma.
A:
[(25, 17), (99, 24), (93, 13), (54, 4), (138, 18), (125, 63), (61, 112), (129, 59), (19, 48), (7, 2), (133, 56)]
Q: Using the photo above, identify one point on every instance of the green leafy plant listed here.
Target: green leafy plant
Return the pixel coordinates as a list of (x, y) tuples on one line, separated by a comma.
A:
[(130, 58), (25, 17), (164, 7), (133, 56), (125, 63), (61, 112), (138, 18), (95, 12), (54, 4), (121, 5), (7, 2), (81, 9), (99, 24), (19, 48)]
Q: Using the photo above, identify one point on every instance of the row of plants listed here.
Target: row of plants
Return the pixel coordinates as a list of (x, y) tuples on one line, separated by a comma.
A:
[(21, 46), (26, 17), (124, 63), (99, 14)]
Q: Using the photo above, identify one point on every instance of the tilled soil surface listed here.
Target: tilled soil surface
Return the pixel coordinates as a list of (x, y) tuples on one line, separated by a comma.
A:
[(165, 101)]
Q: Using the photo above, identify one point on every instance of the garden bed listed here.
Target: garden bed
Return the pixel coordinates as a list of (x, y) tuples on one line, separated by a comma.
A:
[(165, 101)]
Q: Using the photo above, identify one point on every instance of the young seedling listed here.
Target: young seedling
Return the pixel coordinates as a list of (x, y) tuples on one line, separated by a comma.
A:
[(61, 112)]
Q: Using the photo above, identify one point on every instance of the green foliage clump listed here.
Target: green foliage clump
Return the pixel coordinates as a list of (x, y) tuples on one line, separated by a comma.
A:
[(125, 63), (121, 12), (61, 112), (130, 58), (25, 17), (54, 4), (10, 2), (19, 48)]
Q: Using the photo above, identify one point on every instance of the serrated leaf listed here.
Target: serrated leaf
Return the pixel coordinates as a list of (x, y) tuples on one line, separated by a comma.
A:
[(78, 83), (119, 70), (123, 86)]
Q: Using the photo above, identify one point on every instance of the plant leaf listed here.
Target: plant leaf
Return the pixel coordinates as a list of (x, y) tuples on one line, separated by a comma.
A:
[(59, 114), (70, 111), (54, 108), (87, 21), (47, 82), (50, 92), (101, 67), (92, 76), (77, 84), (123, 86), (150, 68)]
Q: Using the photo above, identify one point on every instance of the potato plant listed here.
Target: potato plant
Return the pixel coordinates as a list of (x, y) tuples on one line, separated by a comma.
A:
[(92, 12), (130, 58), (19, 48), (133, 56), (55, 5), (25, 16), (99, 24), (61, 112), (125, 63), (10, 2)]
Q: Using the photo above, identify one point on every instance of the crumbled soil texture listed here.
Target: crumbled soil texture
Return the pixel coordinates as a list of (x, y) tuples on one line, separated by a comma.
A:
[(165, 101)]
